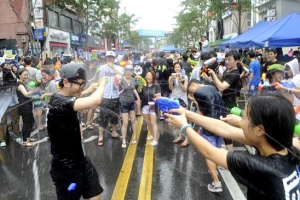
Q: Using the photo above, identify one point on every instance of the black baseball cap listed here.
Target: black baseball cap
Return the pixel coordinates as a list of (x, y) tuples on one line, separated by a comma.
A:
[(73, 71)]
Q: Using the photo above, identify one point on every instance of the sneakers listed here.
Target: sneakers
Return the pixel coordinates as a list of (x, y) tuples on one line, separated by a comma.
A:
[(150, 137), (153, 143), (215, 187), (18, 139), (3, 144)]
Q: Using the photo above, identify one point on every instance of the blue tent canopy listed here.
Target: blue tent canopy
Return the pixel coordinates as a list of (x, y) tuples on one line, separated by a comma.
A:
[(168, 48), (284, 34), (280, 33), (234, 43)]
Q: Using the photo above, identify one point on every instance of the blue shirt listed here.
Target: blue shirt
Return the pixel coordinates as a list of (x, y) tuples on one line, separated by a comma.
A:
[(255, 69)]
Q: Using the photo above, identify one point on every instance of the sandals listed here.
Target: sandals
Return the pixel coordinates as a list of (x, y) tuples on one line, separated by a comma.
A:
[(28, 144), (90, 127), (31, 140), (177, 140), (116, 137), (124, 145), (133, 141), (100, 143), (43, 128), (184, 144)]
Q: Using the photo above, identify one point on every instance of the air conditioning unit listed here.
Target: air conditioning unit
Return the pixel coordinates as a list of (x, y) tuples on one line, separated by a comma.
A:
[(23, 39)]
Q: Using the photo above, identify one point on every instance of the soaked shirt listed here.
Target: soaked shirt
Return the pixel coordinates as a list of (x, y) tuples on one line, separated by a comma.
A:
[(21, 97), (126, 91), (64, 131), (111, 89), (229, 95), (149, 92), (210, 103), (272, 177)]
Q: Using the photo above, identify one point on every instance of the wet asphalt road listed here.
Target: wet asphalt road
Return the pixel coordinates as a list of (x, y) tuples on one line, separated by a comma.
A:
[(177, 173)]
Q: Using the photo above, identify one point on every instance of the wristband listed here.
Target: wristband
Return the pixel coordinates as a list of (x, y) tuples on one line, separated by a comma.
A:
[(183, 129)]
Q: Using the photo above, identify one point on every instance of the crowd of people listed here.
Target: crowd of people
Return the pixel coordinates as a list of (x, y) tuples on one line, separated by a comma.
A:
[(207, 86)]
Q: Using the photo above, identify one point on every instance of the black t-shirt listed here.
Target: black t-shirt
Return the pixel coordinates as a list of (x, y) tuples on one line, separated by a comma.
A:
[(210, 103), (272, 177), (64, 131), (228, 96), (149, 92)]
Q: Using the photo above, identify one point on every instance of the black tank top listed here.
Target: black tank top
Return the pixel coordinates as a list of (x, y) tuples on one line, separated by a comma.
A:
[(21, 97)]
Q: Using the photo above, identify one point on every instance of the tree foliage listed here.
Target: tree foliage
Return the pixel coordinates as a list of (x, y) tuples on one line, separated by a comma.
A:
[(197, 16)]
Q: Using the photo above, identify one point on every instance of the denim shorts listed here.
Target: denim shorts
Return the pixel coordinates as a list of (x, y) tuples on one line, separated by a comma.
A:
[(126, 107), (216, 141)]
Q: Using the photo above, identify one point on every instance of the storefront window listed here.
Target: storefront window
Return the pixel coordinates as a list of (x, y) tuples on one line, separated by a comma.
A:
[(53, 18), (76, 26), (66, 23)]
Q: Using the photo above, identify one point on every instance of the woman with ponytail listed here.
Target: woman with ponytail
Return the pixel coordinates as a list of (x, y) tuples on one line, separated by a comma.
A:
[(267, 124)]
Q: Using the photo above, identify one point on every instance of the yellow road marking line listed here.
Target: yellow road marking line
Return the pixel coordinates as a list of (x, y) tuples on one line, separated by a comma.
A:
[(122, 182), (146, 180)]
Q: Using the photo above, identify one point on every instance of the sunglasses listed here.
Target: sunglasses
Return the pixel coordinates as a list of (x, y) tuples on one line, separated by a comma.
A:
[(81, 85)]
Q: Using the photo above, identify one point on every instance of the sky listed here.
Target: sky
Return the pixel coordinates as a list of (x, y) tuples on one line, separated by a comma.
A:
[(152, 14)]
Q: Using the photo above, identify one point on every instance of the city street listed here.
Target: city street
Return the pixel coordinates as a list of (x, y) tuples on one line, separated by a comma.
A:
[(140, 171)]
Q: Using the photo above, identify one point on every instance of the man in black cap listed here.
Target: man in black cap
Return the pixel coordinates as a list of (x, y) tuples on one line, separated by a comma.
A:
[(71, 170)]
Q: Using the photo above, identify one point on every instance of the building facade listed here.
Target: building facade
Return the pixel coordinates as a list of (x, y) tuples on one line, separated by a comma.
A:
[(271, 10)]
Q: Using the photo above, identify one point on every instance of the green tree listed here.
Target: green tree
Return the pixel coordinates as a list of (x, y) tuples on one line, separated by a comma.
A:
[(191, 23)]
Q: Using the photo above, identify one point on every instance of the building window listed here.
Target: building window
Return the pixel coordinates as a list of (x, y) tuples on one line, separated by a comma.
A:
[(53, 18), (249, 19), (65, 23), (76, 26)]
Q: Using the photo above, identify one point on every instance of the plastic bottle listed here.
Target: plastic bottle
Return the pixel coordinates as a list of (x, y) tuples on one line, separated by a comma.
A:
[(182, 74)]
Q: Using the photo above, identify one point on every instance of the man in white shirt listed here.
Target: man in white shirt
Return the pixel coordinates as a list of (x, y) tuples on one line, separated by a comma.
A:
[(205, 44), (109, 109)]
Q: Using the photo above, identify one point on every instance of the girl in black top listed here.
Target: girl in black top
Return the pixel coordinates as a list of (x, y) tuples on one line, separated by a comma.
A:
[(150, 91), (25, 108)]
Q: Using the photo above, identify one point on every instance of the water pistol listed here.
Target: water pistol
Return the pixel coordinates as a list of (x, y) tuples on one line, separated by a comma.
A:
[(236, 111), (260, 87), (141, 82), (206, 65), (35, 83), (193, 62), (239, 112), (124, 63), (166, 104), (116, 80), (72, 187)]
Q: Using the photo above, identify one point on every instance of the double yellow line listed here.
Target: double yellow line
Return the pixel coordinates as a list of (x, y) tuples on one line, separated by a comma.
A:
[(146, 179)]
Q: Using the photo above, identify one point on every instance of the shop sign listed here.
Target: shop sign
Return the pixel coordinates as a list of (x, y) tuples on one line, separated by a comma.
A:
[(96, 42), (37, 3), (38, 13), (75, 38), (59, 36), (39, 34), (39, 23)]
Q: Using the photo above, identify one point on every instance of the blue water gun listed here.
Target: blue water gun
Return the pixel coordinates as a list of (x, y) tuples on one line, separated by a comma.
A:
[(166, 104), (72, 187)]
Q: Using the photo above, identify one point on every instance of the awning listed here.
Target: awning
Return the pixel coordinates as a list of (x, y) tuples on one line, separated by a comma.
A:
[(58, 44)]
